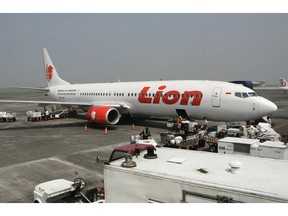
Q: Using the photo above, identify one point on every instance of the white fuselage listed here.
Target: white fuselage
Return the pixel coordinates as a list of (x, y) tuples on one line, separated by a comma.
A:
[(215, 100)]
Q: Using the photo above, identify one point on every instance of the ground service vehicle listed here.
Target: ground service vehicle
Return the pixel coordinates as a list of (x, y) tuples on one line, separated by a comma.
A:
[(63, 191), (7, 117)]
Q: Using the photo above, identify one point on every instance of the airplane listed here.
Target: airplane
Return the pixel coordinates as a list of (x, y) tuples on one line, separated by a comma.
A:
[(106, 103), (283, 84)]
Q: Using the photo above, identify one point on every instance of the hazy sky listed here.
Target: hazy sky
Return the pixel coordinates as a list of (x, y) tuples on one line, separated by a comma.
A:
[(103, 47)]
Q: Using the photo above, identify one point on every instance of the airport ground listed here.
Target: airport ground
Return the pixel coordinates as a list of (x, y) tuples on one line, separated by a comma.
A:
[(35, 152)]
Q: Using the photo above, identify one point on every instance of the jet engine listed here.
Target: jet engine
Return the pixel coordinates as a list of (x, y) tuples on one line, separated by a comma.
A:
[(103, 115)]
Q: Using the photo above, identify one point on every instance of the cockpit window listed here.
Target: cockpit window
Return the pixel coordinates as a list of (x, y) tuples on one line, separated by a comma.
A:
[(252, 94), (238, 94), (245, 95)]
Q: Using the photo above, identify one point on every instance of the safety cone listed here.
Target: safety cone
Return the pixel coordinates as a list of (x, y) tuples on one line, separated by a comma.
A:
[(85, 128), (105, 131), (133, 127)]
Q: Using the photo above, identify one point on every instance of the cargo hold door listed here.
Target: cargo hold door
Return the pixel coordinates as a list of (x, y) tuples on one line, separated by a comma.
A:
[(182, 112), (216, 97)]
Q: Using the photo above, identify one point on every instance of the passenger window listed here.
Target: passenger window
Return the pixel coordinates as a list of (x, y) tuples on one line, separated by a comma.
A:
[(238, 94)]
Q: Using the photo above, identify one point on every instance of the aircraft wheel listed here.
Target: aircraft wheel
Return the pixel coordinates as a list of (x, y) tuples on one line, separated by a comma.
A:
[(213, 148), (201, 143)]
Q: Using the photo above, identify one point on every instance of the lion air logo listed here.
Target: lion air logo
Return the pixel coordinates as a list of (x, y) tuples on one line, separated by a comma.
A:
[(93, 115), (49, 72)]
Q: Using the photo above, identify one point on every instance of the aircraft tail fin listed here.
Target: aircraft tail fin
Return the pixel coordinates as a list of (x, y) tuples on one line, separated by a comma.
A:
[(52, 77), (283, 82)]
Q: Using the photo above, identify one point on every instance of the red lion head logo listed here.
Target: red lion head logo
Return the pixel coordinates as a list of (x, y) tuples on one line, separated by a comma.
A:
[(49, 72)]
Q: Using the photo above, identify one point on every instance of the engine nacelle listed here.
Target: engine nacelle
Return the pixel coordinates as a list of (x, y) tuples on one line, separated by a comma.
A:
[(103, 115)]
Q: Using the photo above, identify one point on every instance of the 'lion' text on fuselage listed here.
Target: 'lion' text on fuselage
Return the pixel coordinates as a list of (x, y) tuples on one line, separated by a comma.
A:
[(170, 97)]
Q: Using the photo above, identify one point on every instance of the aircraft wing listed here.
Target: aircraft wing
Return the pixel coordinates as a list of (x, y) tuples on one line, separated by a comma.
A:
[(46, 102), (30, 88), (117, 105)]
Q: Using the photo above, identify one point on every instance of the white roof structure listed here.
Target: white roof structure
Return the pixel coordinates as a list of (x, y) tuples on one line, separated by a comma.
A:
[(274, 144), (54, 186), (239, 140), (262, 176)]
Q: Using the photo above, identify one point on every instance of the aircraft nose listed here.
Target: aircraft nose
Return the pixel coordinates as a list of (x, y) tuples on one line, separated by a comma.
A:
[(268, 107)]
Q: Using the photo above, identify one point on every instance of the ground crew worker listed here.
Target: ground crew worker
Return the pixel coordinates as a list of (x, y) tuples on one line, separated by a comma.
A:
[(269, 120), (179, 123), (145, 134), (205, 124), (179, 120), (46, 114)]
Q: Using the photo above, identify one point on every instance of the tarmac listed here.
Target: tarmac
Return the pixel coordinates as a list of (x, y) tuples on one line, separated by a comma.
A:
[(36, 152)]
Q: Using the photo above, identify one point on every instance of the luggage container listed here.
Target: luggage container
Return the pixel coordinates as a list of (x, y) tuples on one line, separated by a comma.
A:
[(231, 145), (33, 116), (272, 149), (252, 147)]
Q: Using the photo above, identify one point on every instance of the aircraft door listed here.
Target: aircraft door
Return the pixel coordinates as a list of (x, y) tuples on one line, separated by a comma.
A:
[(77, 97), (182, 112), (216, 97)]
